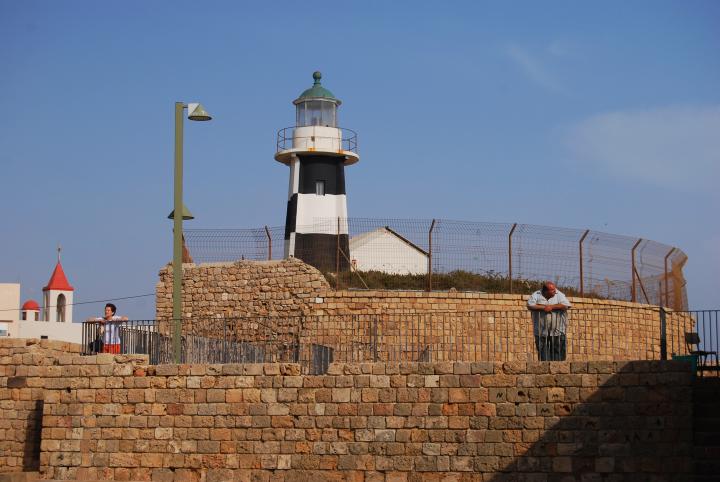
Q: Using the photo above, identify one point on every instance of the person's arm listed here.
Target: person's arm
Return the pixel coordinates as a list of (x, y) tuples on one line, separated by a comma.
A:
[(564, 304), (533, 305)]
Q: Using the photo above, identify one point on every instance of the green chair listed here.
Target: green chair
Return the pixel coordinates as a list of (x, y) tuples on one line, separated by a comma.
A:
[(692, 343)]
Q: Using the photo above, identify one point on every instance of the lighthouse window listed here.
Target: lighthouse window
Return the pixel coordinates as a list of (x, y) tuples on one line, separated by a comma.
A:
[(316, 113), (320, 188)]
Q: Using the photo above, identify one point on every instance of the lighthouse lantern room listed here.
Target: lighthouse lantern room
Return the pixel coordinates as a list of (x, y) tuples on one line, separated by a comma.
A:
[(317, 151)]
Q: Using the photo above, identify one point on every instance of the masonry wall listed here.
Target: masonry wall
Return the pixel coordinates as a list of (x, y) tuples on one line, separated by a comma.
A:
[(22, 361), (291, 287), (243, 288), (469, 421), (115, 417)]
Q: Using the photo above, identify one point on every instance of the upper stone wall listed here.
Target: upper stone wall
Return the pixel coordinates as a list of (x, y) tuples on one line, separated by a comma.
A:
[(329, 302), (281, 290), (291, 287), (243, 288)]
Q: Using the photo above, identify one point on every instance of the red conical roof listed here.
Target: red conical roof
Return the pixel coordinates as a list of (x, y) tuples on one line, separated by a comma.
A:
[(30, 305), (58, 281)]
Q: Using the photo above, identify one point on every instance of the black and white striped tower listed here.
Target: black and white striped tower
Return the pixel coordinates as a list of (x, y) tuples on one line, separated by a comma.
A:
[(317, 151)]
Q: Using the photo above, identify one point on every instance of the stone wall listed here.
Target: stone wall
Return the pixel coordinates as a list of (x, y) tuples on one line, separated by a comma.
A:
[(22, 361), (291, 287), (387, 301), (496, 327), (243, 288), (372, 422)]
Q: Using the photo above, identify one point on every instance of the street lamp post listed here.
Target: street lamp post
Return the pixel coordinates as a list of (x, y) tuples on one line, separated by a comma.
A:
[(196, 112)]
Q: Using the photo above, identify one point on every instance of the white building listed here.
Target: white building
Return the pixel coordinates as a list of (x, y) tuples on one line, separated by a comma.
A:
[(26, 321), (387, 251)]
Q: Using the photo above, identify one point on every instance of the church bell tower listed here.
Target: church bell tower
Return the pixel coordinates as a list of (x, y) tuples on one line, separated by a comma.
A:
[(317, 150)]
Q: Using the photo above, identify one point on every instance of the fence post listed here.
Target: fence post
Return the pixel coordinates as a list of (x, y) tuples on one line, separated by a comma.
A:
[(429, 282), (582, 282), (296, 348), (267, 233), (374, 338), (337, 257), (666, 276), (663, 334), (632, 270), (225, 335), (510, 276)]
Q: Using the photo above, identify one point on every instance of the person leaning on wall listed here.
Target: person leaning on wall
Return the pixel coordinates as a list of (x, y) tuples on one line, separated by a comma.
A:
[(110, 330), (549, 308)]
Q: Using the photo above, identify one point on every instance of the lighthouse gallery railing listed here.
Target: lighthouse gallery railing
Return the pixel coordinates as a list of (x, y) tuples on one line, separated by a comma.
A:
[(286, 139)]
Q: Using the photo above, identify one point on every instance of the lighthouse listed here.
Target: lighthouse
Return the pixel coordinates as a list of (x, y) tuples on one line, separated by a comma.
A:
[(317, 150)]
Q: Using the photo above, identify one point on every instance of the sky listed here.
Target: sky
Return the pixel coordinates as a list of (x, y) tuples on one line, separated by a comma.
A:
[(598, 115)]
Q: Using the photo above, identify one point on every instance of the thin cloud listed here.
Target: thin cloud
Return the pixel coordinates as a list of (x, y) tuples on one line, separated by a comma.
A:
[(559, 49), (533, 68), (674, 147)]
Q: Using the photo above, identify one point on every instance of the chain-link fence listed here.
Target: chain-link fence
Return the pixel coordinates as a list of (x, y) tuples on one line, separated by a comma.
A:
[(492, 257)]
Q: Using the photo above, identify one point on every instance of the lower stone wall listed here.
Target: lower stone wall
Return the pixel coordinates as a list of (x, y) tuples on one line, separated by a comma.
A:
[(23, 365), (369, 422)]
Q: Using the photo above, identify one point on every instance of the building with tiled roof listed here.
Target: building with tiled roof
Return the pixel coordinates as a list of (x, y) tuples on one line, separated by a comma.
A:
[(53, 321)]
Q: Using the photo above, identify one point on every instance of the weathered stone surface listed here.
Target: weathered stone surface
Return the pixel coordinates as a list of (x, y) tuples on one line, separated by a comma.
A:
[(231, 424)]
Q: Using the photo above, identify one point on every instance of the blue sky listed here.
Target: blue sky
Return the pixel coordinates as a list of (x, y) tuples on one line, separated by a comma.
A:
[(606, 113)]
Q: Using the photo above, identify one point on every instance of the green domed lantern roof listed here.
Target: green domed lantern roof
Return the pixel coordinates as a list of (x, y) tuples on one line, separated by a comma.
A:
[(317, 91)]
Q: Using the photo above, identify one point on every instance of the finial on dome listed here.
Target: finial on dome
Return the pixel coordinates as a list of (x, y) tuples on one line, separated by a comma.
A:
[(59, 248), (317, 75)]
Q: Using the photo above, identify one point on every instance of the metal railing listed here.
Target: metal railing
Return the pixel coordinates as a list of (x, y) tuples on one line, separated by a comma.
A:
[(315, 341), (706, 325), (347, 141), (126, 337)]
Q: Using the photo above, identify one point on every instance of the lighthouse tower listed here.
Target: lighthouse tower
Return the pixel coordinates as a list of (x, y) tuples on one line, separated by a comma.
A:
[(317, 151)]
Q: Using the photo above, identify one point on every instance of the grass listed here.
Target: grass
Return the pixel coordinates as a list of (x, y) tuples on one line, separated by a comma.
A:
[(459, 280)]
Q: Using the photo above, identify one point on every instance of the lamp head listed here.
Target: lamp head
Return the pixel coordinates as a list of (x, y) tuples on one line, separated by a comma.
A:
[(197, 112), (186, 214)]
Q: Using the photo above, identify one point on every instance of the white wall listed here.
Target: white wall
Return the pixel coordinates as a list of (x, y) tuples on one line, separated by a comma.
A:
[(67, 331), (319, 214), (381, 250), (50, 305), (9, 307)]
